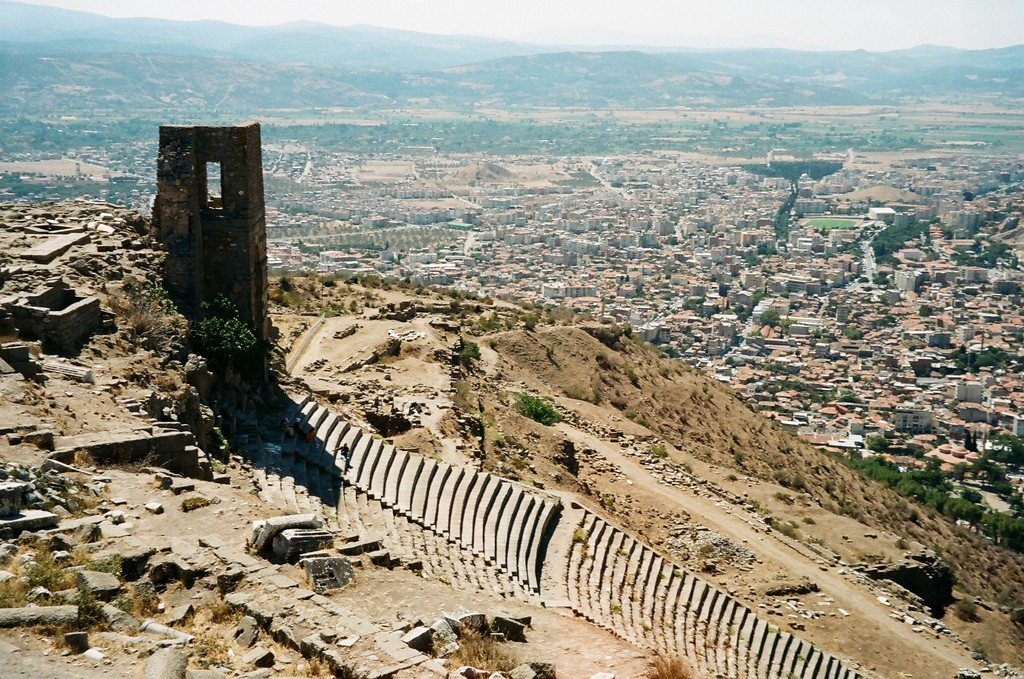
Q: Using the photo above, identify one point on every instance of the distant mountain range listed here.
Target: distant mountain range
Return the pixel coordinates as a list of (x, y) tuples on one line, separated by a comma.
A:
[(54, 60)]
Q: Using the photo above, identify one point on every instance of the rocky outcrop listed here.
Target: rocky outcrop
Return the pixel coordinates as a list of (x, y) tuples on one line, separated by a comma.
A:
[(925, 575)]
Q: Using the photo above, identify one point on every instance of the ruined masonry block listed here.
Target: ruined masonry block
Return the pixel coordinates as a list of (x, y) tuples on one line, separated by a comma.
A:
[(11, 493), (328, 572), (292, 542)]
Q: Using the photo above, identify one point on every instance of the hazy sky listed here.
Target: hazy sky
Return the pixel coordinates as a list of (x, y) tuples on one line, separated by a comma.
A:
[(833, 24)]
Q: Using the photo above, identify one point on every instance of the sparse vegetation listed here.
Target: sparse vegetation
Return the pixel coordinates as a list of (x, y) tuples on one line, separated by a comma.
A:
[(469, 353), (228, 341), (536, 409), (480, 650), (146, 315), (193, 502), (664, 667), (966, 610), (657, 450)]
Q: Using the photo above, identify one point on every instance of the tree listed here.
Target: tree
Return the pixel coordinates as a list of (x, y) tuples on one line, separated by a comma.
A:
[(971, 495), (878, 444), (770, 318), (854, 333)]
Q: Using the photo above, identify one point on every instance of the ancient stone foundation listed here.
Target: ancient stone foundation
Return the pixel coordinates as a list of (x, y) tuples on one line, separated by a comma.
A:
[(210, 216)]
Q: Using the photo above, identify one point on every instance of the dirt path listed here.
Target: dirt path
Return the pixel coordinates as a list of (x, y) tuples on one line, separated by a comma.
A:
[(883, 644)]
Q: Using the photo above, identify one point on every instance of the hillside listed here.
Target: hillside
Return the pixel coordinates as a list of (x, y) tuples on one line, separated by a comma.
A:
[(63, 61), (504, 468), (716, 469)]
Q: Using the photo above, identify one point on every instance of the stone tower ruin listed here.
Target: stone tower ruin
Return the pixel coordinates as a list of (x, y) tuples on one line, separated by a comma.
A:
[(209, 214)]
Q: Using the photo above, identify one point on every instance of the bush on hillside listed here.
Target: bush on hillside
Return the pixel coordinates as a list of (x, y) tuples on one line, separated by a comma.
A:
[(228, 341), (536, 409)]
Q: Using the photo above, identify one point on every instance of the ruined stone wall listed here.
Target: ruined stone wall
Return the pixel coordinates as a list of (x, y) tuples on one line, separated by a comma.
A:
[(57, 316), (215, 235), (66, 329)]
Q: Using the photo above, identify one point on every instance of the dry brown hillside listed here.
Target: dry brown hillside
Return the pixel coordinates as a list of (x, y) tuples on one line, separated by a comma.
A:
[(665, 452), (705, 420)]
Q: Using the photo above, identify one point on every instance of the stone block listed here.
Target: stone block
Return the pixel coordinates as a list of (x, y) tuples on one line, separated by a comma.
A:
[(229, 580), (291, 542), (247, 632), (326, 573), (205, 674), (472, 621), (180, 614), (78, 642), (263, 532), (513, 630), (166, 663), (259, 657), (11, 493), (104, 586), (445, 640), (57, 616), (359, 547), (420, 638), (380, 557), (119, 620), (29, 520)]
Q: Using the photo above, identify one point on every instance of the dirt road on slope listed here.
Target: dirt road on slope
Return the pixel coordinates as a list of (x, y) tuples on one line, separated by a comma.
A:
[(890, 648)]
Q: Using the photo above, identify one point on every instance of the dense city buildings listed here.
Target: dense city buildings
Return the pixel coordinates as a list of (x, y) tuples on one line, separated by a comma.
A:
[(879, 302)]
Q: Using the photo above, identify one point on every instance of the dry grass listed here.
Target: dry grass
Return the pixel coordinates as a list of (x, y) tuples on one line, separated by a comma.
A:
[(146, 316), (663, 667), (484, 652), (208, 649), (141, 602), (315, 667)]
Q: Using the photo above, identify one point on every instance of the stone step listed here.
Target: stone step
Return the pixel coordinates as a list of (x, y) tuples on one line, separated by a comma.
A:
[(481, 504), (433, 493), (535, 549), (445, 499), (411, 475), (421, 492), (460, 506), (402, 459), (377, 476), (516, 503), (373, 455), (492, 521)]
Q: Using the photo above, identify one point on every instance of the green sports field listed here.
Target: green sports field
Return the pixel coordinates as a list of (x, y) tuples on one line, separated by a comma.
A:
[(829, 223)]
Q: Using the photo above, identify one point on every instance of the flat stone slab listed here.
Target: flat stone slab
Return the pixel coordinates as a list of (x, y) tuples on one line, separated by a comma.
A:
[(104, 585), (38, 615), (48, 248), (30, 520)]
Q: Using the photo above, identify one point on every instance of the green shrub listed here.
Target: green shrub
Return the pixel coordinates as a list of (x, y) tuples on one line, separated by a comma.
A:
[(227, 340), (966, 610), (536, 409), (469, 353)]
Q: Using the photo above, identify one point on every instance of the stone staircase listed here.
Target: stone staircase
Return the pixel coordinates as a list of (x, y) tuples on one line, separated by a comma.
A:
[(488, 523), (481, 532), (618, 583)]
